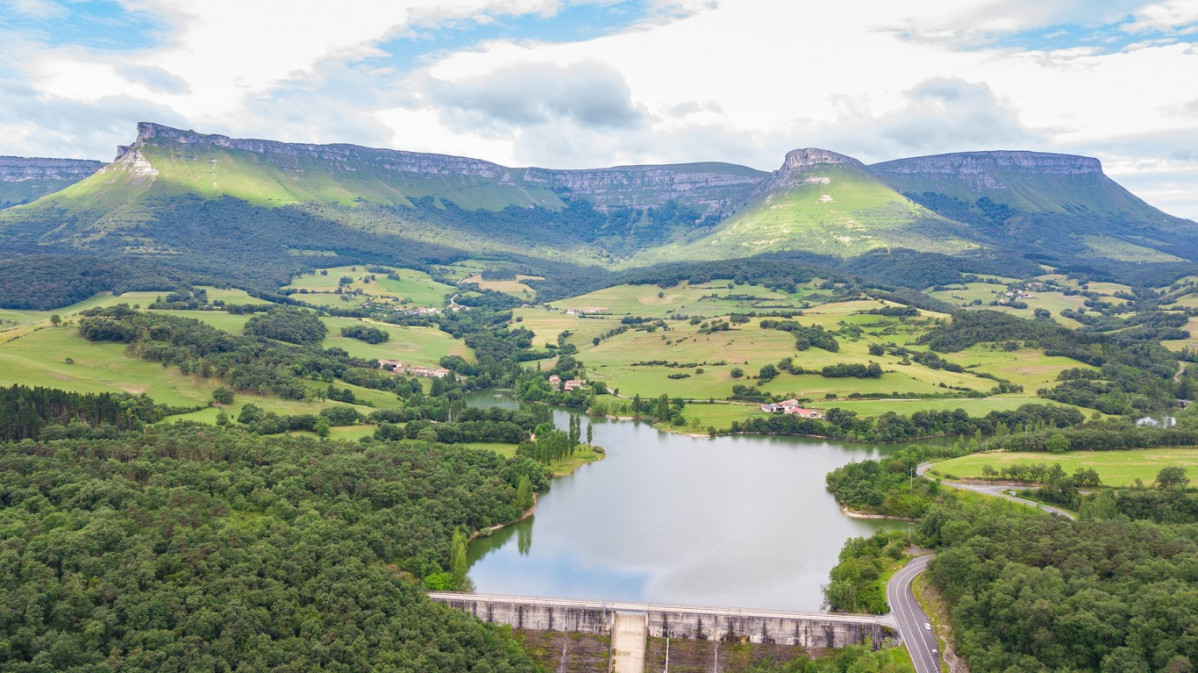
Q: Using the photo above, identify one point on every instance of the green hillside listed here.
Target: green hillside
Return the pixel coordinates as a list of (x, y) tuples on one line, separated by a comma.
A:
[(834, 209), (1061, 202), (179, 206), (26, 179)]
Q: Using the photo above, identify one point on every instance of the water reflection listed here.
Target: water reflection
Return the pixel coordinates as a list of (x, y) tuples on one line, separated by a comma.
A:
[(736, 521)]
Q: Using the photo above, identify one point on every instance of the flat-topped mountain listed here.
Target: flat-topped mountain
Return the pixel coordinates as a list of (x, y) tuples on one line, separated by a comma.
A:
[(267, 171), (1042, 198), (24, 179), (204, 202)]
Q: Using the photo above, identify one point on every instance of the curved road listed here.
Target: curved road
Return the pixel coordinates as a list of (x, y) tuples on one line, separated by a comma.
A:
[(997, 491), (920, 641)]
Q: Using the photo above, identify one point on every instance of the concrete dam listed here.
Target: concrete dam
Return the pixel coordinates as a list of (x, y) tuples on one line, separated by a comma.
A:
[(802, 629)]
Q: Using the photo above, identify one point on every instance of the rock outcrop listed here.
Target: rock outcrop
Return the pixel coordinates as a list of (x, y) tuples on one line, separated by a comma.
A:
[(25, 179), (710, 187), (808, 157), (21, 169), (968, 163)]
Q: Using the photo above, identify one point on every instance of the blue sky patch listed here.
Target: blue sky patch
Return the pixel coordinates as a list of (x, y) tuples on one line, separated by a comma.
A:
[(1105, 38), (570, 24), (93, 24)]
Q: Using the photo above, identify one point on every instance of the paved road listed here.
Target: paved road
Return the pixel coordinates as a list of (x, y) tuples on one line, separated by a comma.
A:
[(997, 491), (921, 642)]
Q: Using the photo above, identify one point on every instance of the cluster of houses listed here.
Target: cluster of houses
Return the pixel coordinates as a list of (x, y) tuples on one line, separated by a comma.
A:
[(584, 311), (791, 407), (570, 384), (411, 370)]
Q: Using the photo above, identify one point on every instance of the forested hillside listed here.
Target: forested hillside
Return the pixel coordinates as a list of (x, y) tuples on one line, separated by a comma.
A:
[(207, 549)]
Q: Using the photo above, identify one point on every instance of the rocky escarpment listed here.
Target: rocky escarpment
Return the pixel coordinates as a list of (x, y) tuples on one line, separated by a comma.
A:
[(972, 163), (809, 157), (21, 169), (802, 166), (983, 172), (711, 187), (23, 179)]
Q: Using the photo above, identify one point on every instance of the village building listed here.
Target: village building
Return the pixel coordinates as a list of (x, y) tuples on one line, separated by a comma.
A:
[(411, 370), (791, 407), (555, 382)]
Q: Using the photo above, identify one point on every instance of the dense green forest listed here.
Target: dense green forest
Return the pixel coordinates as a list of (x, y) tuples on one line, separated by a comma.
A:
[(1115, 591), (191, 548), (1039, 593)]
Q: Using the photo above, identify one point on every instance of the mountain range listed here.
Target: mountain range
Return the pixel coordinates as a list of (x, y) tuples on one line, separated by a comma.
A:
[(187, 203)]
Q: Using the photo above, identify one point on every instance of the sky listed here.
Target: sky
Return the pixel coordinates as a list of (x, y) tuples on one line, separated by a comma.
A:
[(590, 83)]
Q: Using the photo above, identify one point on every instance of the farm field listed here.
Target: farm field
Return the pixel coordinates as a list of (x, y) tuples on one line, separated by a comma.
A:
[(515, 287), (40, 359), (965, 294), (414, 288), (749, 347), (1028, 367), (1192, 327), (423, 346), (15, 321), (547, 323), (1115, 468), (704, 299), (972, 406)]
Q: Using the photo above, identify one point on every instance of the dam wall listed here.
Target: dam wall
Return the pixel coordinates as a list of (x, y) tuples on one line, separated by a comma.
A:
[(803, 629)]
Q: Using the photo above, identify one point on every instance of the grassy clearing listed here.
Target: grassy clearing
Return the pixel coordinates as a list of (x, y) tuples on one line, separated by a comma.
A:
[(1028, 367), (231, 296), (422, 346), (547, 323), (15, 322), (514, 287), (229, 322), (1192, 342), (748, 347), (1115, 468), (717, 298), (40, 359), (583, 455), (965, 294), (905, 407), (414, 288)]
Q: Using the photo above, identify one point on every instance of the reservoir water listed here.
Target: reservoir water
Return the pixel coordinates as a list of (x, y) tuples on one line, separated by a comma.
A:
[(666, 518)]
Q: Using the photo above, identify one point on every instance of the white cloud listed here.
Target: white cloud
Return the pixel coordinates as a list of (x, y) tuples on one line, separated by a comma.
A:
[(733, 80), (36, 9), (1172, 15)]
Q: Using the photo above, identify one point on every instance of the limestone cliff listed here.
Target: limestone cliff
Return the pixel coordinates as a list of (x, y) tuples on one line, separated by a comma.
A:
[(21, 169), (710, 187), (982, 163), (23, 179)]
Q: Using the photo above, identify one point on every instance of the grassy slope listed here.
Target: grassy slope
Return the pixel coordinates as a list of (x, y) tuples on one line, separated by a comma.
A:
[(1036, 192), (415, 288), (1115, 468), (850, 215), (749, 347), (280, 180)]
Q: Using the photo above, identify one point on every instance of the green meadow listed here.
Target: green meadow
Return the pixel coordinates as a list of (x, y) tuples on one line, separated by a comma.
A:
[(704, 299), (40, 358), (414, 288), (423, 346), (1028, 367), (1115, 468), (515, 287)]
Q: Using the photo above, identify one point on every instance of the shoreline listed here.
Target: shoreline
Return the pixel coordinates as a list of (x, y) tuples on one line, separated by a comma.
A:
[(854, 514)]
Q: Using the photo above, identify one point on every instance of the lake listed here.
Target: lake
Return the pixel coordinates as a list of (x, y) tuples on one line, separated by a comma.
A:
[(666, 518)]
